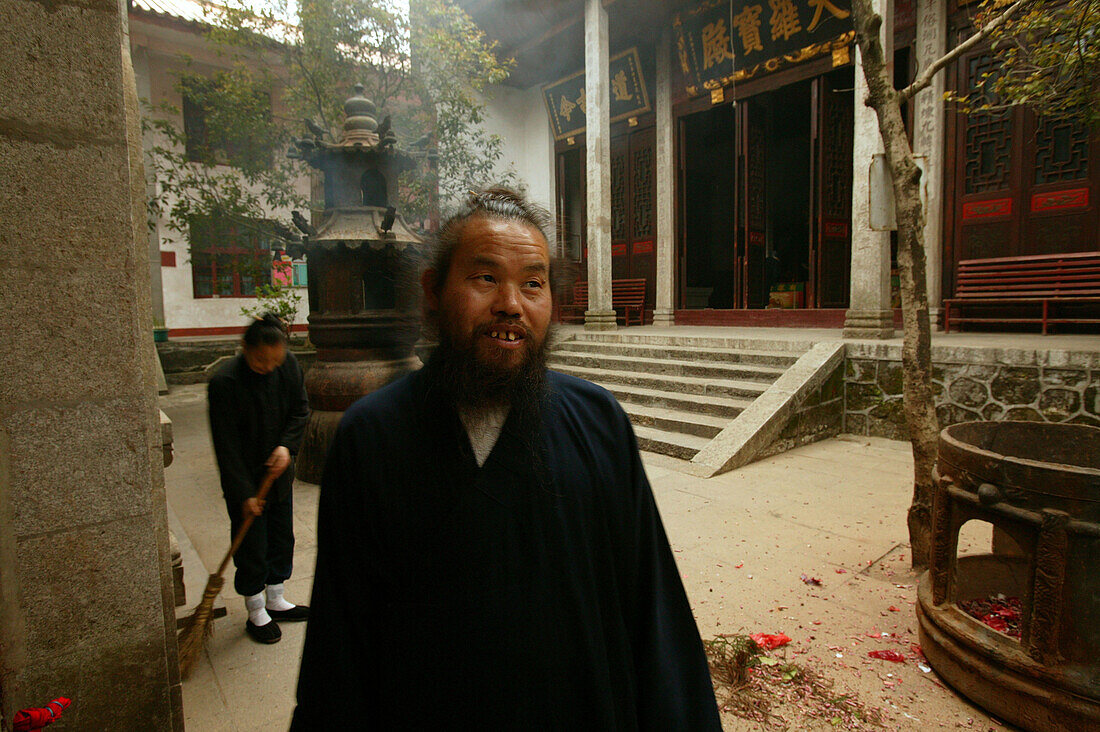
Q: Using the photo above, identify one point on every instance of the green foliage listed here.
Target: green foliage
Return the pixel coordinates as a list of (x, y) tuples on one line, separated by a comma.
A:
[(430, 70), (1049, 56), (282, 301), (229, 160)]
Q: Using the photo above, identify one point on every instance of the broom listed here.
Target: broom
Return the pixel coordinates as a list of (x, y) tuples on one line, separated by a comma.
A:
[(197, 627)]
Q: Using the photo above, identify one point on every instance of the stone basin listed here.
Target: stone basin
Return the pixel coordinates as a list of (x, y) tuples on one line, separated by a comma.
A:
[(1039, 486)]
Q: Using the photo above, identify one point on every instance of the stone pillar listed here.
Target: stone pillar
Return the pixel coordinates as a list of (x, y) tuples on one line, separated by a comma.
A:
[(928, 142), (663, 313), (869, 313), (600, 315), (86, 596)]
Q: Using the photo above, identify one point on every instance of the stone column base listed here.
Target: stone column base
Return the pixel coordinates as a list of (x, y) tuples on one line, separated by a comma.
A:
[(664, 316), (599, 320), (869, 324), (935, 319)]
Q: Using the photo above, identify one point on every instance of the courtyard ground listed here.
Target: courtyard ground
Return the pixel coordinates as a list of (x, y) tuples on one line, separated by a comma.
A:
[(833, 511)]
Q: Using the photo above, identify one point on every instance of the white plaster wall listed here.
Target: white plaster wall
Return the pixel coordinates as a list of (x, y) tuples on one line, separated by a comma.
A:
[(519, 117), (160, 54)]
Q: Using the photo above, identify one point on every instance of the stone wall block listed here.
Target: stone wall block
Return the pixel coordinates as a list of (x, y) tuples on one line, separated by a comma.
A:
[(890, 378), (136, 666), (85, 453), (60, 206), (1063, 377), (969, 392), (1087, 419), (855, 424), (861, 397), (891, 409), (992, 412), (1058, 405), (66, 84), (1023, 414), (1092, 400), (861, 370), (887, 428), (82, 334), (1017, 386), (949, 414), (99, 598), (981, 372)]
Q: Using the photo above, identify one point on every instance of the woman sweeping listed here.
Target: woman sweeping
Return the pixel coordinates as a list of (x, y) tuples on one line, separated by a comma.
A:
[(258, 414)]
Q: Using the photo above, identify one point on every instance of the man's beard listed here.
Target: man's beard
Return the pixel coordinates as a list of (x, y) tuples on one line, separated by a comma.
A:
[(476, 384)]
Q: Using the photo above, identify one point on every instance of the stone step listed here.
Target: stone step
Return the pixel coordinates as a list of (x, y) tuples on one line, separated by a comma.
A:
[(668, 367), (674, 420), (636, 337), (674, 384), (676, 444), (681, 353), (699, 404)]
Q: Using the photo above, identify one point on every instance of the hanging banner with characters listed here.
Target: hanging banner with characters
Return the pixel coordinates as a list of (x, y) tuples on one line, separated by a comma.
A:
[(566, 103), (719, 41)]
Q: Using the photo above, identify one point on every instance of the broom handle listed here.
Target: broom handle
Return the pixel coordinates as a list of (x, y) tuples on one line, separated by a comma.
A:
[(238, 539)]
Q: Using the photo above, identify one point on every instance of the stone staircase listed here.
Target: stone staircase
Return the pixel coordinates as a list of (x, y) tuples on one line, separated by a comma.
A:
[(679, 395)]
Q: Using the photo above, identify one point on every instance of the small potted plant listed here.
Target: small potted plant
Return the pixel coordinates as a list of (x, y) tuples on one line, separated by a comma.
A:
[(160, 332)]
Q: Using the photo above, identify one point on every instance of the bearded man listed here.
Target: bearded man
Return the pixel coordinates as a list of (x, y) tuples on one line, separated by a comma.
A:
[(489, 552)]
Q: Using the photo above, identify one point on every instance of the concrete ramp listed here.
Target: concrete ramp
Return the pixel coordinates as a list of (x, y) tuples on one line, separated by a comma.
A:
[(765, 421)]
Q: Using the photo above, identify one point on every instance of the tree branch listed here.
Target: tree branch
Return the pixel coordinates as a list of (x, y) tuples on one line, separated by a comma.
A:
[(921, 82)]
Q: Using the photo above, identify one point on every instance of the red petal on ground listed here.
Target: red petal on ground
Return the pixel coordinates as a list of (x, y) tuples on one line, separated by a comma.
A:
[(768, 642), (887, 656)]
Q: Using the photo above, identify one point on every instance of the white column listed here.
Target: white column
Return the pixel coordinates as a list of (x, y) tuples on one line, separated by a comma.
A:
[(666, 201), (600, 315), (869, 313), (928, 142)]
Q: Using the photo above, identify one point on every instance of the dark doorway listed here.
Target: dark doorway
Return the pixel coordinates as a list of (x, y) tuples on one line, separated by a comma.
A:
[(707, 149), (789, 175)]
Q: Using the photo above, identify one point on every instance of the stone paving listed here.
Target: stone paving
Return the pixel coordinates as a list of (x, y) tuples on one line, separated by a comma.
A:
[(833, 510)]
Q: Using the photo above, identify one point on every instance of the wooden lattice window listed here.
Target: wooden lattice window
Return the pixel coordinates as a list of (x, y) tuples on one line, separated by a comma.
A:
[(228, 259), (642, 187)]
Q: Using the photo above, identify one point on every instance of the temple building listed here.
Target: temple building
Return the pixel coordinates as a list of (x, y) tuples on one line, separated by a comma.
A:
[(721, 151)]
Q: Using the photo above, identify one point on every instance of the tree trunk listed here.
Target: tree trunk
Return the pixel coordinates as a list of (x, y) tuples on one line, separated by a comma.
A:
[(919, 403)]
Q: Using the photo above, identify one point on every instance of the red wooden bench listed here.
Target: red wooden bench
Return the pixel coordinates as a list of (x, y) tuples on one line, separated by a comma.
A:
[(1039, 280), (628, 295)]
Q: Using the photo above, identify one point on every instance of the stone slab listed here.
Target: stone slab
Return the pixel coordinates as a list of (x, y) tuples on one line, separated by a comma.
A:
[(77, 465)]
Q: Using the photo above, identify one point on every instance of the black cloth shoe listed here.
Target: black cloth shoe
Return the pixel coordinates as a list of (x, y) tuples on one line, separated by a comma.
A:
[(298, 612), (267, 633)]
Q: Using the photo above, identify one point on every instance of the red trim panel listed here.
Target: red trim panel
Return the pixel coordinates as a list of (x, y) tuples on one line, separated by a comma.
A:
[(1059, 200), (643, 247), (167, 259), (618, 250), (835, 229), (987, 209)]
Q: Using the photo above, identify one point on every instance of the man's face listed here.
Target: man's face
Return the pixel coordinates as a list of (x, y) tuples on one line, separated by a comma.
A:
[(264, 359), (496, 302)]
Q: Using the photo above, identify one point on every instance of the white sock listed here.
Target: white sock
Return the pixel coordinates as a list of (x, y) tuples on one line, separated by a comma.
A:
[(275, 599), (257, 613)]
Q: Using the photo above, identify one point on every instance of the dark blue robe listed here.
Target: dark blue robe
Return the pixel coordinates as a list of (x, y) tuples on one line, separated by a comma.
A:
[(535, 592)]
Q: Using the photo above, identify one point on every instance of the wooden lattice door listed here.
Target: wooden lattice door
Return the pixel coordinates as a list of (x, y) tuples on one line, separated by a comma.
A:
[(633, 209), (831, 253), (752, 204)]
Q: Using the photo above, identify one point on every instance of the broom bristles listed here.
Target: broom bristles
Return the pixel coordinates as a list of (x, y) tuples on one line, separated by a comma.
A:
[(198, 626)]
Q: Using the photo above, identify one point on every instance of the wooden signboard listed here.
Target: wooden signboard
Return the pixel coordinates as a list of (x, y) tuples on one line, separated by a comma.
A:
[(566, 103), (723, 41)]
